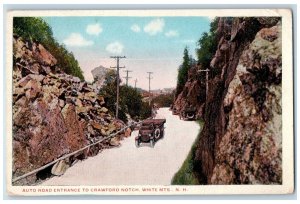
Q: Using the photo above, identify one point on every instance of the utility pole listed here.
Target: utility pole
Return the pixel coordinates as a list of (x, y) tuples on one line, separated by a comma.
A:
[(127, 77), (135, 81), (118, 81), (206, 83), (149, 77)]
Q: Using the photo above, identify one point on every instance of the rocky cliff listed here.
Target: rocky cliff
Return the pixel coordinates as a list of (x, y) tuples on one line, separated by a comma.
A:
[(241, 139), (53, 113), (240, 142), (193, 93), (250, 150)]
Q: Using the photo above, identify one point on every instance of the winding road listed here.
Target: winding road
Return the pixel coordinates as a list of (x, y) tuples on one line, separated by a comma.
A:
[(128, 165)]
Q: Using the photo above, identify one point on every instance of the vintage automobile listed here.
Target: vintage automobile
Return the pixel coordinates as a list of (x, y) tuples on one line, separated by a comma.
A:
[(188, 114), (151, 130), (175, 111)]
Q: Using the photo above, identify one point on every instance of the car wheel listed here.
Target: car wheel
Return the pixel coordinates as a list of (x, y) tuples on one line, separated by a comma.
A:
[(162, 134), (137, 143), (157, 133), (152, 143)]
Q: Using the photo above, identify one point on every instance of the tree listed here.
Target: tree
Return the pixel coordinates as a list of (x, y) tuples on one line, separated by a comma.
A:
[(164, 100), (207, 45), (183, 71), (130, 101), (35, 29)]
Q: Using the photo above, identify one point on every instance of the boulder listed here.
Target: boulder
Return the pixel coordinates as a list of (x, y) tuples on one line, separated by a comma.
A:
[(32, 89), (60, 168), (22, 82), (76, 80), (127, 132), (43, 56), (101, 100), (78, 102), (75, 137), (96, 125), (103, 132), (81, 109), (61, 103), (114, 142), (111, 128), (54, 90), (104, 110), (90, 96), (87, 89), (91, 130), (22, 102), (81, 85)]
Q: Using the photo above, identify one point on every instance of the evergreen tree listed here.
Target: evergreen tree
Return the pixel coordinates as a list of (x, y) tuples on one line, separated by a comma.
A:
[(207, 45), (183, 71)]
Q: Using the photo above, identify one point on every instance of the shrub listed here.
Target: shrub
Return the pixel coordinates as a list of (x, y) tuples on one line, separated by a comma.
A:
[(130, 99), (164, 100), (186, 174)]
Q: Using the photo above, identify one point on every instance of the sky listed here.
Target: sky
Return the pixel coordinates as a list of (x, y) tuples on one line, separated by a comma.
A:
[(150, 44)]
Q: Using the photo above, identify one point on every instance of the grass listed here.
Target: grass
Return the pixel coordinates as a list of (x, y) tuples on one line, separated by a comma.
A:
[(185, 175)]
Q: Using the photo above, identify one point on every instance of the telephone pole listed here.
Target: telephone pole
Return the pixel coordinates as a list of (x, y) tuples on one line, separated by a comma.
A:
[(127, 77), (206, 83), (135, 81), (149, 77), (118, 81)]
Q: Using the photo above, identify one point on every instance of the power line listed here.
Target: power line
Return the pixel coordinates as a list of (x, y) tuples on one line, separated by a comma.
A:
[(127, 77), (118, 81), (149, 77)]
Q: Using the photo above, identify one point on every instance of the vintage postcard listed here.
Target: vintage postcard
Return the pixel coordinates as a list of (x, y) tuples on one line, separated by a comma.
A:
[(149, 102)]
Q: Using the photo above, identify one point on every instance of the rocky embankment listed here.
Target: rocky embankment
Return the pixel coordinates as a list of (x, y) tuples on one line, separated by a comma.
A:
[(241, 139), (250, 149), (193, 93), (53, 113)]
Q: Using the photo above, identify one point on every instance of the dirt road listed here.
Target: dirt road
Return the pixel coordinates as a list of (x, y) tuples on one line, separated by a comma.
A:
[(128, 165)]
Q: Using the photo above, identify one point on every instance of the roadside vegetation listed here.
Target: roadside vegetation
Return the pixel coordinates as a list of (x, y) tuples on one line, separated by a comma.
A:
[(164, 100), (186, 175), (130, 101)]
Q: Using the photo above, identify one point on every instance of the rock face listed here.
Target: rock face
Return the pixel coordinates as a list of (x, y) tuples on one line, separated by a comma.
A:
[(241, 138), (53, 113), (250, 150), (193, 93), (99, 74)]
